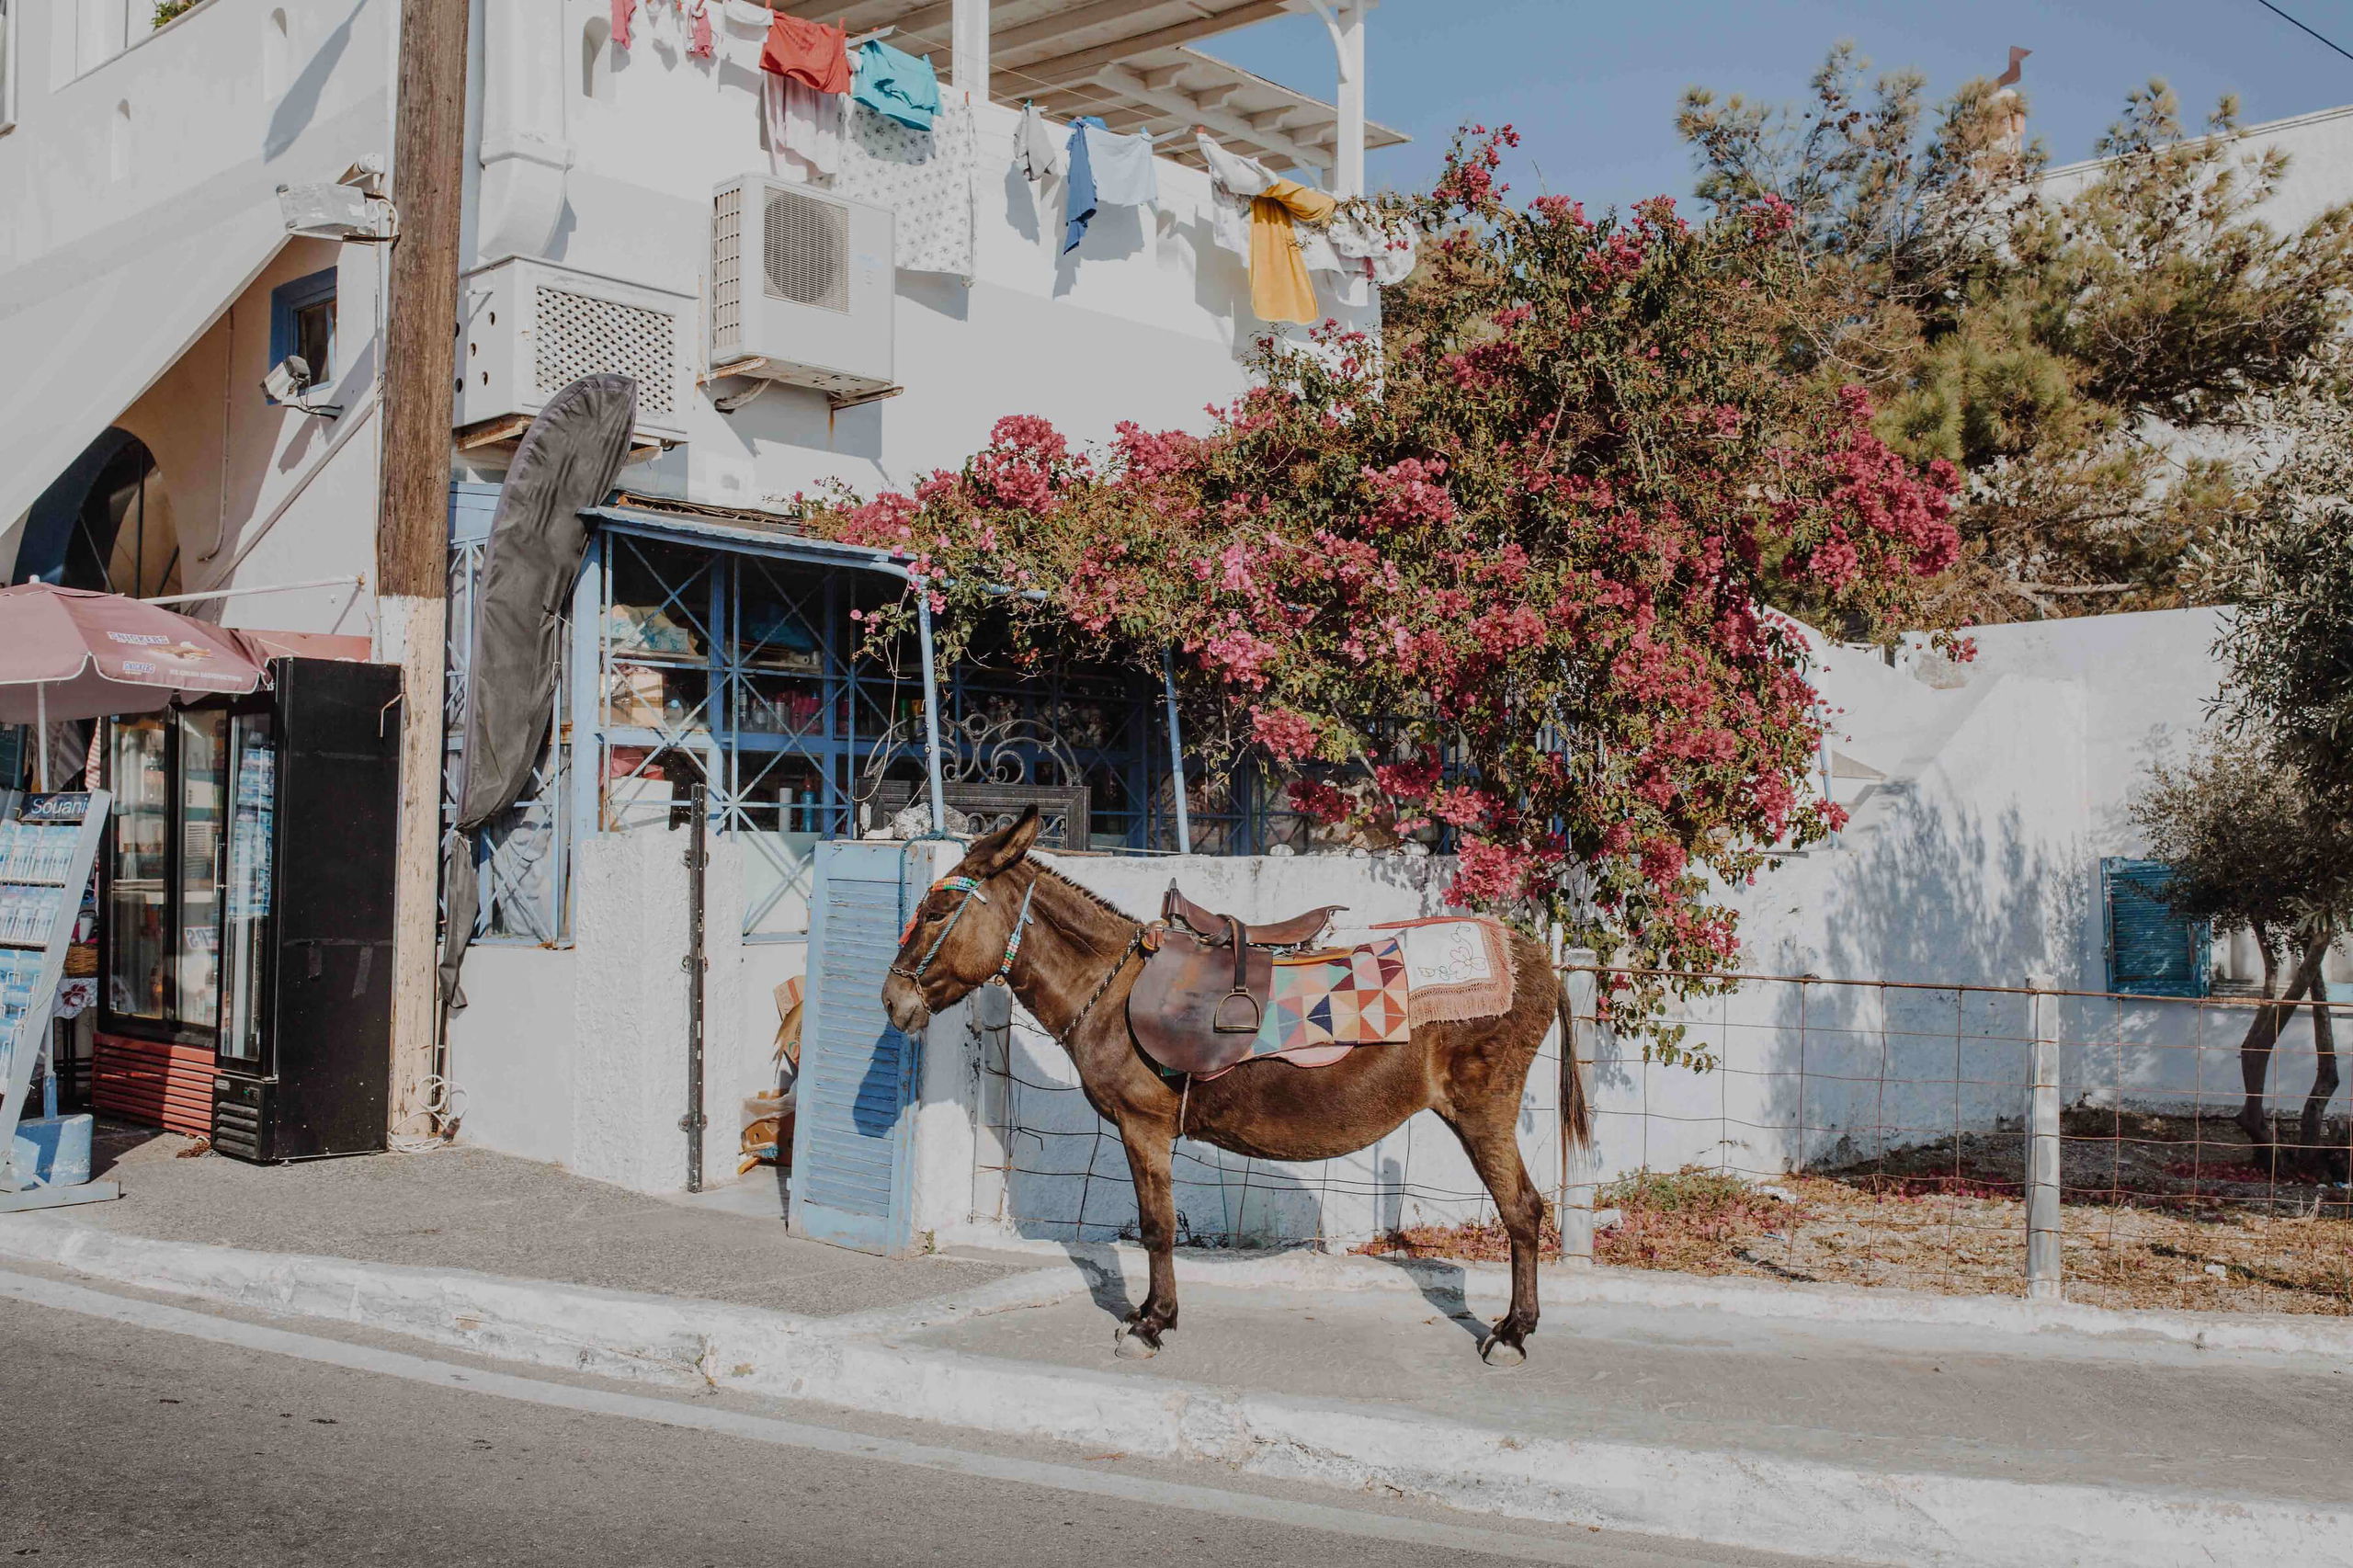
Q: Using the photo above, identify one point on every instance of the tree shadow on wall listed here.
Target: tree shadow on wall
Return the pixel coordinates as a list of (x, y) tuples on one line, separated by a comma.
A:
[(1934, 901)]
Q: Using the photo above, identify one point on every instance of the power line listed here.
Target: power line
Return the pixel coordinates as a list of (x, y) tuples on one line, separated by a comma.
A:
[(2291, 21)]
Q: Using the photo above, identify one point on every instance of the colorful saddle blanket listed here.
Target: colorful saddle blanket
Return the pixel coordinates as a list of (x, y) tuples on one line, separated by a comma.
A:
[(1326, 1003)]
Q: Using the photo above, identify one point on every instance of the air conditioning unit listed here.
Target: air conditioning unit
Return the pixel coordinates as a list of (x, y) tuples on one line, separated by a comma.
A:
[(802, 287), (533, 328)]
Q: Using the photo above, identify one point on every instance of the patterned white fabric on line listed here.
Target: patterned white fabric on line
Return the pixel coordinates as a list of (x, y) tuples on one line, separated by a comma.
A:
[(925, 178)]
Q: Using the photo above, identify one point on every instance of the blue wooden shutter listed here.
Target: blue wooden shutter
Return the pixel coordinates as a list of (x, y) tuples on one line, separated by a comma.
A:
[(2152, 951), (854, 1134)]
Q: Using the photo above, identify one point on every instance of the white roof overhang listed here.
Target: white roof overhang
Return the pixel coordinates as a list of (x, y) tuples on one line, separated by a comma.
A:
[(88, 331)]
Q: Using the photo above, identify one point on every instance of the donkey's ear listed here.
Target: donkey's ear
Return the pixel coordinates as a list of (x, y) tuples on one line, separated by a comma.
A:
[(994, 853)]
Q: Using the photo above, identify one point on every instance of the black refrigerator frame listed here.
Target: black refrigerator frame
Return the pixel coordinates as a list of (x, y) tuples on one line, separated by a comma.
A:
[(319, 1083)]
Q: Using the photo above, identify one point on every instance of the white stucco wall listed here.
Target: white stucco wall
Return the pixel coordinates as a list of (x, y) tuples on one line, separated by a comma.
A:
[(511, 1051), (1976, 862), (578, 1056)]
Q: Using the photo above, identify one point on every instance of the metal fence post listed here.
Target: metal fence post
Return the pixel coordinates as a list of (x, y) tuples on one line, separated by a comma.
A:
[(695, 964), (1580, 1167), (2042, 1214)]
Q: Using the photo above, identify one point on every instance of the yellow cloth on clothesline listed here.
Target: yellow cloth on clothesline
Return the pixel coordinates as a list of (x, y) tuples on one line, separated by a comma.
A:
[(1279, 287)]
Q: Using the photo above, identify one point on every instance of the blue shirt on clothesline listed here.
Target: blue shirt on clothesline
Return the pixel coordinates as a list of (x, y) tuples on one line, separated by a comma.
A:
[(1079, 203)]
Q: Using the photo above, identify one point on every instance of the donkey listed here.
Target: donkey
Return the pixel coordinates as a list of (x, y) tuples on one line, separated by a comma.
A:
[(1071, 959)]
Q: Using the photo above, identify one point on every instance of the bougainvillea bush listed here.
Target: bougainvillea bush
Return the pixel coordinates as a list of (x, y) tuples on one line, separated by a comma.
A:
[(1538, 528)]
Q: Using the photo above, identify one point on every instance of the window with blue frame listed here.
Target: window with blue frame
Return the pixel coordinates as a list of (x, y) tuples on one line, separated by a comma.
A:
[(746, 674), (2152, 950), (301, 322)]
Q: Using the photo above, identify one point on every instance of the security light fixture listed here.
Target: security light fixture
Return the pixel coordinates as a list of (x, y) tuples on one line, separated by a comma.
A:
[(288, 382)]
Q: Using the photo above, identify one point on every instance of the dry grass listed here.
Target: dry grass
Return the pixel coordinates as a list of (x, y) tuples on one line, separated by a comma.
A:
[(2159, 1212)]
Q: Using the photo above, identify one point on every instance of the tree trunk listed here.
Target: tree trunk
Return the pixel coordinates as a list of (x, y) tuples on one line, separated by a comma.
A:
[(2324, 1078), (2262, 1035)]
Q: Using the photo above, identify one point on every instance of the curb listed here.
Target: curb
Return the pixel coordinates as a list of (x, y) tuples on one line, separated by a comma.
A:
[(1486, 1287), (1739, 1499)]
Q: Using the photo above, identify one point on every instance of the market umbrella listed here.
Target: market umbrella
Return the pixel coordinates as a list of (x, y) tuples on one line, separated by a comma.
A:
[(71, 653)]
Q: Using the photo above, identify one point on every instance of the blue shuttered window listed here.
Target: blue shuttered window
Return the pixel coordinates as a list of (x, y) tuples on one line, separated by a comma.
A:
[(2152, 950)]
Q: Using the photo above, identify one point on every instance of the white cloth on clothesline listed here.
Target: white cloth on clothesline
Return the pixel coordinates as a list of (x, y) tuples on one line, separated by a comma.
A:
[(1036, 147), (1358, 246), (1122, 169), (805, 129)]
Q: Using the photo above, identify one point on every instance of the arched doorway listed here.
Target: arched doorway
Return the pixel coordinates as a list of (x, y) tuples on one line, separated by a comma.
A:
[(105, 524)]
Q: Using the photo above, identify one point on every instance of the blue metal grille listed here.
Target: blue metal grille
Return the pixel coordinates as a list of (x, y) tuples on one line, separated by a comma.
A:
[(688, 659)]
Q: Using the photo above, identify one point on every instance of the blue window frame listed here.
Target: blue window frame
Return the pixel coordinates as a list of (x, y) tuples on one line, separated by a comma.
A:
[(736, 664), (301, 321), (2152, 950)]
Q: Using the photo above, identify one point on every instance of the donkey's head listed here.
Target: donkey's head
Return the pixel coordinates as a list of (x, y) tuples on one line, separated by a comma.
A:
[(962, 934)]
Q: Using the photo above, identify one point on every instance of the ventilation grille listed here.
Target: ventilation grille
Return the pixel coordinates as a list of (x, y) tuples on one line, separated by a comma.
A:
[(727, 273), (582, 335), (804, 251)]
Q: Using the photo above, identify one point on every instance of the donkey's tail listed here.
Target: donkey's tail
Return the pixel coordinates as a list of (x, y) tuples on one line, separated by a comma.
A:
[(1576, 1114)]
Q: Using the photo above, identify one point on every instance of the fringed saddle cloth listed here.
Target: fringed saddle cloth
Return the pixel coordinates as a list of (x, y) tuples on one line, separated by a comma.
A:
[(1326, 1003)]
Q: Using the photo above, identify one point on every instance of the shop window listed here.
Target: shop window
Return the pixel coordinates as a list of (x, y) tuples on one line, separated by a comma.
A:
[(301, 321), (2153, 951)]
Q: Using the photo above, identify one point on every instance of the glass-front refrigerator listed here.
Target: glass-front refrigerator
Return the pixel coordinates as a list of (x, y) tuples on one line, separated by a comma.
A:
[(246, 941)]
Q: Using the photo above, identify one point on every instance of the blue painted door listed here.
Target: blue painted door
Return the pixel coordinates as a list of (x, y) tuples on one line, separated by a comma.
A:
[(853, 1141)]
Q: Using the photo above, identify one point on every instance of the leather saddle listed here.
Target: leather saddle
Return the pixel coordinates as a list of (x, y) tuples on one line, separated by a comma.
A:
[(1197, 1005)]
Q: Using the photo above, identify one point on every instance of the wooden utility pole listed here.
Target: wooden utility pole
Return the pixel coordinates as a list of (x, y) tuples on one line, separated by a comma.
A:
[(412, 517)]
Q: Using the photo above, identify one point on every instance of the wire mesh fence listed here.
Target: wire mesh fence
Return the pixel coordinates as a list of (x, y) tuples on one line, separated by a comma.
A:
[(1977, 1138), (1954, 1139)]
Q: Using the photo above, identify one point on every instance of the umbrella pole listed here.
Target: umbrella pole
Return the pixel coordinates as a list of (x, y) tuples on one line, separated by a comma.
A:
[(40, 736)]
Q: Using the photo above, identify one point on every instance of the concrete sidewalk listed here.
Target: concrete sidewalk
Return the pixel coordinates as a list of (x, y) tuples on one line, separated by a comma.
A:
[(459, 1208), (1867, 1426)]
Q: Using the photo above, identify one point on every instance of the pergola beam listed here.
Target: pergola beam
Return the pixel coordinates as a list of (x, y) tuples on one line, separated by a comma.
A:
[(1051, 30), (1126, 82), (1087, 61)]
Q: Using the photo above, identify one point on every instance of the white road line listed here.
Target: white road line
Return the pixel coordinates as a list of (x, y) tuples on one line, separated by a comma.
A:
[(802, 1435)]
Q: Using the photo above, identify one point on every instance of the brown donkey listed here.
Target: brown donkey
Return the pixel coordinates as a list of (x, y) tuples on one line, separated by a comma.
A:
[(1077, 959)]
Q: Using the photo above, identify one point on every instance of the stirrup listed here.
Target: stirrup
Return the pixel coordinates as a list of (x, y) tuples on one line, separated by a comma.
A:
[(1218, 1024)]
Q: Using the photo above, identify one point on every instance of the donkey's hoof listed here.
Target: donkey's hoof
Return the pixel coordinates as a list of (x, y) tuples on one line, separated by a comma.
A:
[(1497, 1351), (1130, 1343)]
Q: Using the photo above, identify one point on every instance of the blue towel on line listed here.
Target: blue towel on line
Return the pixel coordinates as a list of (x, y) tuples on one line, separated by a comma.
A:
[(894, 83)]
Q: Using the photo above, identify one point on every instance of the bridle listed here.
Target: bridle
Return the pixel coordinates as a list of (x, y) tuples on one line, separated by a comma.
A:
[(970, 888)]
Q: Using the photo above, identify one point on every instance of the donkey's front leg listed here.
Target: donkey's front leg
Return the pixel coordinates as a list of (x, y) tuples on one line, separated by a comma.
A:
[(1150, 1146)]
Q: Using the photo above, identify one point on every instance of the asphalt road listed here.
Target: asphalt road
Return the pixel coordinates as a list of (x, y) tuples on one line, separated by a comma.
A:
[(141, 1438)]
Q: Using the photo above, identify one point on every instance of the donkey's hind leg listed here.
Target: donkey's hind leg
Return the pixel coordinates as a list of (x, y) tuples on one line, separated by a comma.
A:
[(1489, 1137), (1151, 1148)]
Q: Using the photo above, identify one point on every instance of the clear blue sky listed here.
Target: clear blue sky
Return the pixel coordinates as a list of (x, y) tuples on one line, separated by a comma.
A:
[(1593, 87)]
